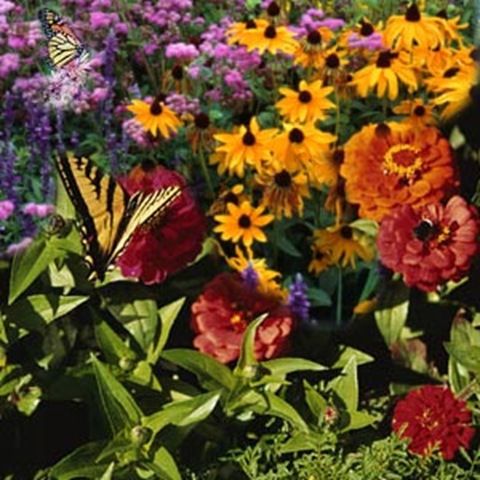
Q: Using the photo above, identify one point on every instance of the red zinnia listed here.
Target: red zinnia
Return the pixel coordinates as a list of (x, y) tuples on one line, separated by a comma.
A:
[(172, 242), (431, 417), (431, 245), (222, 312)]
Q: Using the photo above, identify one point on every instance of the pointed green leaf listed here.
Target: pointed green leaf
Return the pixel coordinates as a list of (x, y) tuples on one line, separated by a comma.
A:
[(167, 315), (165, 466), (467, 355), (28, 265), (285, 365), (319, 297), (316, 403), (301, 442), (346, 385), (108, 474), (119, 406), (211, 373), (391, 321), (247, 352), (359, 420), (346, 353)]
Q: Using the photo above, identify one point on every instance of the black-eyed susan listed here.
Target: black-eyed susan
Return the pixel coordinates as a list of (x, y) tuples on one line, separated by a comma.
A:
[(418, 112), (298, 145), (456, 92), (235, 195), (413, 28), (310, 52), (268, 280), (243, 223), (325, 170), (435, 60), (240, 32), (247, 146), (321, 259), (307, 104), (283, 192), (272, 39), (155, 117), (344, 244), (384, 75)]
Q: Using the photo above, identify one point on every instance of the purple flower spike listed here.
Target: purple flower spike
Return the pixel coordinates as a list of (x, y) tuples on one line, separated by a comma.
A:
[(297, 298)]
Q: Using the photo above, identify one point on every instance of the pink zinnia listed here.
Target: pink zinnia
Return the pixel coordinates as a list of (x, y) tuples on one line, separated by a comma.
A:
[(432, 418), (430, 245), (221, 314)]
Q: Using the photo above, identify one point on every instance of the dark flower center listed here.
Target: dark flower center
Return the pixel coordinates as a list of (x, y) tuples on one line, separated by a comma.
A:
[(250, 24), (202, 121), (366, 29), (230, 197), (249, 139), (338, 156), (296, 135), (270, 32), (425, 230), (177, 72), (451, 72), (475, 54), (244, 221), (384, 59), (442, 14), (332, 61), (413, 13), (305, 96), (419, 111), (273, 9), (283, 179), (346, 232), (156, 108), (319, 255), (382, 130), (314, 38)]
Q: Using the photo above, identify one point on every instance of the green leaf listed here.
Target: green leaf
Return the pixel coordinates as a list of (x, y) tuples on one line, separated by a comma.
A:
[(368, 227), (108, 474), (316, 403), (165, 466), (167, 315), (360, 420), (247, 352), (391, 321), (211, 373), (302, 442), (80, 464), (183, 413), (347, 353), (36, 311), (467, 355), (284, 244), (27, 266), (119, 406), (285, 365), (319, 297), (346, 385)]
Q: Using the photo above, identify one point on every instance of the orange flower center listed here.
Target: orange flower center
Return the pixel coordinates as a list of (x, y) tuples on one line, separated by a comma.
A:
[(238, 322), (402, 160)]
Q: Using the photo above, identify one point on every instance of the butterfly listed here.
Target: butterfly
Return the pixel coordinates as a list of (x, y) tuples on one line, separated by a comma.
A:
[(64, 47), (109, 217)]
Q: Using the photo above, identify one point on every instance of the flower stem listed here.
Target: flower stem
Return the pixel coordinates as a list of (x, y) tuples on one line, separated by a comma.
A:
[(338, 317), (205, 172)]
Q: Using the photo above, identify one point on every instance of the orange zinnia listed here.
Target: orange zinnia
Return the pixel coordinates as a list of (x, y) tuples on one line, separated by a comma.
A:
[(390, 165)]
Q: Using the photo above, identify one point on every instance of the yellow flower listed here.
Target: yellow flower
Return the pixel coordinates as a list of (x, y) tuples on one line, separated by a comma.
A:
[(325, 170), (308, 104), (321, 259), (268, 279), (155, 116), (419, 113), (343, 244), (405, 31), (248, 146), (388, 69), (240, 32), (365, 306), (311, 49), (234, 195), (299, 145), (243, 223), (273, 39), (283, 192)]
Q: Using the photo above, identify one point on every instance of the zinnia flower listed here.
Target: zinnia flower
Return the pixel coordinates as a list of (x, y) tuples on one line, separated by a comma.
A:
[(155, 117), (172, 242), (432, 418), (431, 245), (223, 311), (243, 223), (308, 104), (390, 165)]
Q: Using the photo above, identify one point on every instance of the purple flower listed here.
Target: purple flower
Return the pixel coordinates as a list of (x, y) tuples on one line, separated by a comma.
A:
[(40, 210), (332, 23), (182, 51), (9, 62), (102, 19), (19, 247), (370, 42), (297, 298), (6, 209), (250, 277)]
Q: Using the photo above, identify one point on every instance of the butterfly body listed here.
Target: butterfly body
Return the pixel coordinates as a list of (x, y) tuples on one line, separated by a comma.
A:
[(109, 216), (64, 47)]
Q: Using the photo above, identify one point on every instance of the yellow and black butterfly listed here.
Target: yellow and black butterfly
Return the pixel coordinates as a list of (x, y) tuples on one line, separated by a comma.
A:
[(64, 47), (108, 215)]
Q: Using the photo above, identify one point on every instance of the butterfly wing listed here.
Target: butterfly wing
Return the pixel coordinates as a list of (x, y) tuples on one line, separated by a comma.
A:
[(100, 203), (109, 217)]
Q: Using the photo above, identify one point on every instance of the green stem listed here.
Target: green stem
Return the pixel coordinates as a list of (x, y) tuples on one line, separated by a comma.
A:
[(338, 318), (205, 172)]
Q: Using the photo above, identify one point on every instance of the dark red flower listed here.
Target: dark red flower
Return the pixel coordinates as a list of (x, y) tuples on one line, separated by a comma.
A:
[(430, 245), (222, 312), (432, 418), (172, 242)]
